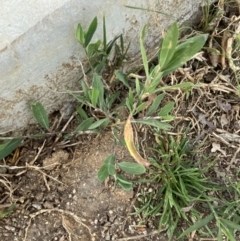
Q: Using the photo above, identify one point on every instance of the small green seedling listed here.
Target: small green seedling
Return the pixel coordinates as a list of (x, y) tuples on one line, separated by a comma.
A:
[(109, 169)]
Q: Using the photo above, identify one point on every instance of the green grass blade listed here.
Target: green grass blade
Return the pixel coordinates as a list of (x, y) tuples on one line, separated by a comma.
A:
[(201, 223), (40, 115), (102, 122), (166, 109), (9, 146), (97, 84), (230, 224), (169, 44), (93, 95), (85, 125), (104, 35), (143, 52)]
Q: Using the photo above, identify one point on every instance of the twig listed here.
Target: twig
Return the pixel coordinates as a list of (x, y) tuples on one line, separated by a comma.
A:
[(75, 217), (140, 236), (39, 151)]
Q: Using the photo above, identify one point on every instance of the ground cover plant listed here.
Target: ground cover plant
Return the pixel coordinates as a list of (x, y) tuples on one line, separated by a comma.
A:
[(178, 117)]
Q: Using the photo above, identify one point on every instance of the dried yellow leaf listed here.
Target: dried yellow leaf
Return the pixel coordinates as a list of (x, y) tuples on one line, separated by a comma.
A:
[(129, 139)]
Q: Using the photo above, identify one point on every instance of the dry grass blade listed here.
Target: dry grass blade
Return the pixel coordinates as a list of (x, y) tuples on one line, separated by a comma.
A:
[(128, 137)]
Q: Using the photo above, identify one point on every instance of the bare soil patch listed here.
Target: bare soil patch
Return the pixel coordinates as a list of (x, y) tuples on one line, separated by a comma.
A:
[(63, 200)]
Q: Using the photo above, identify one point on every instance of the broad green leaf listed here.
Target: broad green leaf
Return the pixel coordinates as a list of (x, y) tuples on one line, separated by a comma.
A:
[(166, 109), (85, 125), (201, 223), (8, 211), (80, 34), (169, 44), (103, 173), (143, 51), (81, 112), (155, 104), (98, 123), (93, 48), (93, 95), (125, 186), (110, 163), (155, 123), (40, 115), (91, 30), (122, 179), (121, 77), (132, 168), (7, 147), (185, 52)]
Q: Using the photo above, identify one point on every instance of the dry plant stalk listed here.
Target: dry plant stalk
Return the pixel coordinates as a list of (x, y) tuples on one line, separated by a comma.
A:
[(128, 137)]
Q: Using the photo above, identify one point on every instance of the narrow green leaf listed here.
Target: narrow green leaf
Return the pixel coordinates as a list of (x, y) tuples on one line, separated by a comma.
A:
[(104, 35), (138, 89), (155, 104), (8, 211), (140, 108), (201, 223), (166, 109), (111, 44), (230, 224), (40, 115), (185, 52), (155, 123), (121, 77), (84, 88), (111, 99), (98, 84), (143, 51), (110, 163), (169, 44), (7, 147), (103, 173), (167, 117), (132, 168), (80, 34), (85, 125), (81, 112), (93, 95), (101, 122), (184, 85), (91, 30)]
